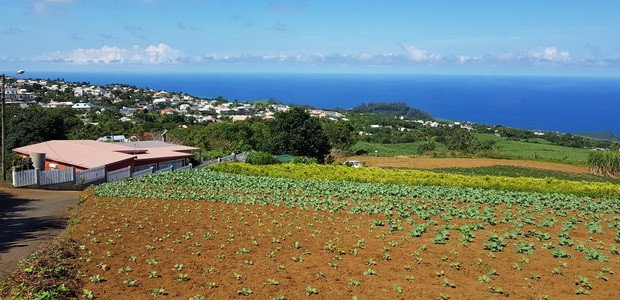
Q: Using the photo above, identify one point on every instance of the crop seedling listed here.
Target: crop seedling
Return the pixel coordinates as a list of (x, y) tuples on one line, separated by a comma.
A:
[(311, 291), (447, 283), (245, 291)]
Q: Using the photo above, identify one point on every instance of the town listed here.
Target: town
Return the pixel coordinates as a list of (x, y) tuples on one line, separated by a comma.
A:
[(128, 100)]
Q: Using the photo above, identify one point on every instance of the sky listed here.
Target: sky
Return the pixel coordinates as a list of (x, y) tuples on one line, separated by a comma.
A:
[(560, 37)]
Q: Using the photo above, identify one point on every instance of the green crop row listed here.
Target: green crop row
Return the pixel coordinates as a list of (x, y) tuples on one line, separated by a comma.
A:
[(426, 178), (347, 196)]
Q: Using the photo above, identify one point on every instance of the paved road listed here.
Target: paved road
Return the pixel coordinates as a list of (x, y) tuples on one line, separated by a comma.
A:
[(29, 217)]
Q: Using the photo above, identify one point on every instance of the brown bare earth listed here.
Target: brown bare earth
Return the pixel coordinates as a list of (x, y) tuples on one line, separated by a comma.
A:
[(438, 163), (146, 248)]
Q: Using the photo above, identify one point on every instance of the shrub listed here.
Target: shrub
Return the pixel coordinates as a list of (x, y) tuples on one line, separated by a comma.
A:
[(213, 154), (304, 160), (261, 158), (427, 147), (605, 163)]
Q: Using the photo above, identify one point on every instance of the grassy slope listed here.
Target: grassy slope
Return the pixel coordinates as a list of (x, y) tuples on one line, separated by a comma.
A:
[(542, 152), (505, 149)]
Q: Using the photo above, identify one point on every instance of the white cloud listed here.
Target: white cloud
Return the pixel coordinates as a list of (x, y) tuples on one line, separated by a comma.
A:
[(48, 8), (152, 54), (42, 9), (106, 54), (161, 53), (551, 54), (365, 56), (548, 55), (409, 56), (420, 55)]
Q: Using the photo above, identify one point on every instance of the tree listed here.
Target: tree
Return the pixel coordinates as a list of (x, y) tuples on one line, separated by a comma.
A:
[(35, 124), (295, 132), (341, 135)]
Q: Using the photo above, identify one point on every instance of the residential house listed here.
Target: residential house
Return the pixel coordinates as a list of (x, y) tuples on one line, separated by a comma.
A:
[(87, 154), (112, 138), (237, 118), (82, 105)]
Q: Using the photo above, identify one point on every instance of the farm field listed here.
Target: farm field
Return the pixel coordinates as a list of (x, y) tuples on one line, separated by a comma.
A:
[(202, 233), (438, 163), (426, 178), (504, 149)]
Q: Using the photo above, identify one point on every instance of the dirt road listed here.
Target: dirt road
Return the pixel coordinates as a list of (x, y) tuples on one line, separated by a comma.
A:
[(29, 217), (436, 163)]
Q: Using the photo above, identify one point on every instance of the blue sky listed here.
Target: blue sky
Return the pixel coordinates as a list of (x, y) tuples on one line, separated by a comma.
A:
[(567, 37)]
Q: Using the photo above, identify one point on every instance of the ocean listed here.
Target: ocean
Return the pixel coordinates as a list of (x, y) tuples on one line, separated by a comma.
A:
[(565, 104)]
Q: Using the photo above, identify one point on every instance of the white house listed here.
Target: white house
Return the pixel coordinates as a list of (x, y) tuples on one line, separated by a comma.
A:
[(82, 105), (113, 138)]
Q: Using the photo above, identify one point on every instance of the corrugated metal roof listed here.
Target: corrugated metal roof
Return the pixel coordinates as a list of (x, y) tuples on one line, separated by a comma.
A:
[(91, 154)]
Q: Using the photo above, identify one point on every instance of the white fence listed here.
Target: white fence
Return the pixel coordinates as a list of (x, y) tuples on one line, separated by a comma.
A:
[(233, 157), (184, 168), (25, 178), (43, 178), (57, 176), (118, 174), (168, 169), (138, 174), (90, 175)]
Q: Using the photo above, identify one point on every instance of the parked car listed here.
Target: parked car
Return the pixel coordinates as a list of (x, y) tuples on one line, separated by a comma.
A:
[(353, 163)]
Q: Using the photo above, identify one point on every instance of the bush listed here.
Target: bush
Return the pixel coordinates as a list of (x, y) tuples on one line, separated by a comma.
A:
[(427, 147), (605, 163), (213, 154), (261, 158), (304, 160)]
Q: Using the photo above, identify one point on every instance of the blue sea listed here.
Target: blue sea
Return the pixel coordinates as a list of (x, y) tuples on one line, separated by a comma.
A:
[(565, 104)]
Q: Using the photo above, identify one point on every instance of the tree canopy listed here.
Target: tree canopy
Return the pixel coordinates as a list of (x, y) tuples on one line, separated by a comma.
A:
[(295, 132), (393, 109)]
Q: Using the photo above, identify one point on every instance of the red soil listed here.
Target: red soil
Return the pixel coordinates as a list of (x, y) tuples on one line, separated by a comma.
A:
[(326, 251)]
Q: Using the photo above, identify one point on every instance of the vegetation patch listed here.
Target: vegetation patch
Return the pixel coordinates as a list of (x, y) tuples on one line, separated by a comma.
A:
[(213, 235), (49, 273), (605, 163), (514, 171), (427, 178)]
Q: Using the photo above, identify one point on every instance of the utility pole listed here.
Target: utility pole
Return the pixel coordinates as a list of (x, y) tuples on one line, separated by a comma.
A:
[(3, 115)]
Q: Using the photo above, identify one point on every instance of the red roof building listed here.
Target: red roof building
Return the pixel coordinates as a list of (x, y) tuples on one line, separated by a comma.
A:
[(86, 154)]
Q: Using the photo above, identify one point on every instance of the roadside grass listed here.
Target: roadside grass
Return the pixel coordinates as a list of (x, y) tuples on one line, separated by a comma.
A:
[(514, 171), (46, 274)]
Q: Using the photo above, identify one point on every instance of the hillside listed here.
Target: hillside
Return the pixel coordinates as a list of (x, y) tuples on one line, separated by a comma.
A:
[(394, 109)]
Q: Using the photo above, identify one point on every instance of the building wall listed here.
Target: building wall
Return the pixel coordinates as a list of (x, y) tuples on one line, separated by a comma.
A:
[(108, 168), (119, 165), (57, 165)]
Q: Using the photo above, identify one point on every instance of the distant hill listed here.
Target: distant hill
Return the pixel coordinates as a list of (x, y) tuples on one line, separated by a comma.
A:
[(266, 101), (608, 136), (393, 109)]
